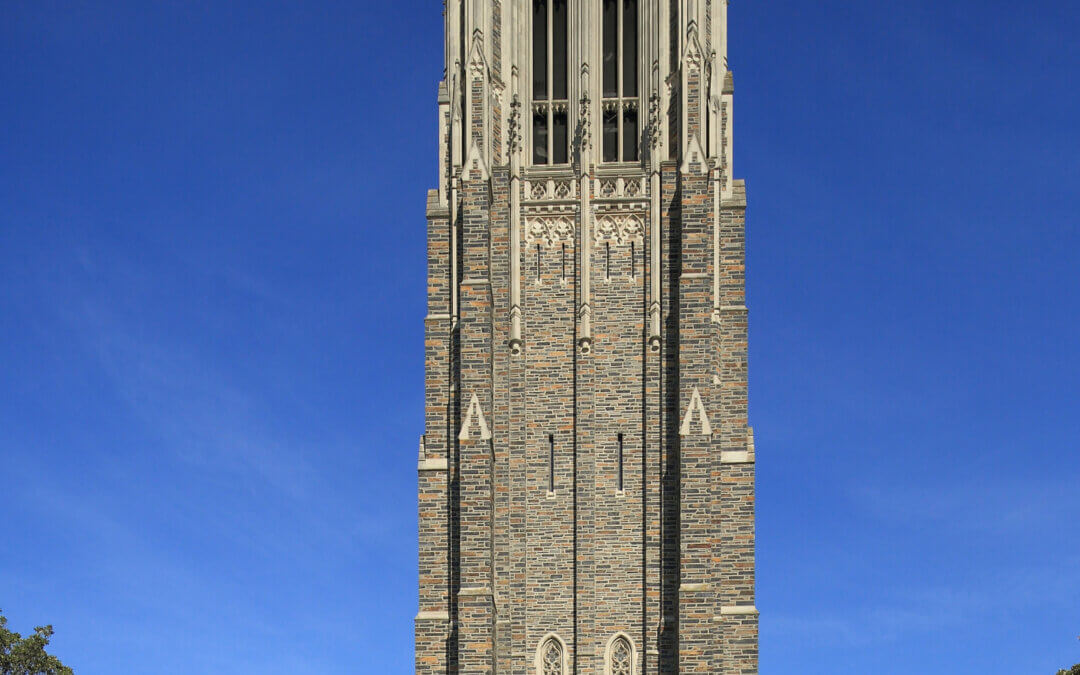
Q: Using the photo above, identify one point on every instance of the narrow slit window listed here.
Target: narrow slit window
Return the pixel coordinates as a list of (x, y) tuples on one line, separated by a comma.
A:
[(551, 463), (607, 261), (538, 262), (633, 260), (620, 81), (620, 476), (564, 261), (550, 82)]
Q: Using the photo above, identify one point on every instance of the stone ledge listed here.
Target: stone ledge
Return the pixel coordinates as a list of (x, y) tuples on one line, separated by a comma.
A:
[(436, 209), (433, 616), (694, 588), (477, 591), (432, 465), (739, 610), (736, 457)]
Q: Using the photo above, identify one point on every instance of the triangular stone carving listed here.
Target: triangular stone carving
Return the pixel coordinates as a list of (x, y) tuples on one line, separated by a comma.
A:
[(694, 155), (692, 56), (477, 62), (698, 407), (477, 414), (475, 166)]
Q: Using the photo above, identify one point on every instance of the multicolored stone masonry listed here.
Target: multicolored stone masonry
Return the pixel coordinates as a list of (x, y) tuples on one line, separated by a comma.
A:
[(586, 470)]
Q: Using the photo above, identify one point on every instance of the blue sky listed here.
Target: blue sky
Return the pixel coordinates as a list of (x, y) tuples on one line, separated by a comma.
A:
[(212, 285)]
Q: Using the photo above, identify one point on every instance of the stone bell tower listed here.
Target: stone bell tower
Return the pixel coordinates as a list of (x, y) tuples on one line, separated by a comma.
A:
[(586, 472)]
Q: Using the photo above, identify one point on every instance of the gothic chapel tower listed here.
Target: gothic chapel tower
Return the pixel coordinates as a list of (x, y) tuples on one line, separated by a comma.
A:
[(586, 473)]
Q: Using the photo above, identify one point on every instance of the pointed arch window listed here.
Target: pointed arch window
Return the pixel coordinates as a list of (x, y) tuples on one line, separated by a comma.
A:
[(620, 656), (551, 658), (620, 101), (550, 79)]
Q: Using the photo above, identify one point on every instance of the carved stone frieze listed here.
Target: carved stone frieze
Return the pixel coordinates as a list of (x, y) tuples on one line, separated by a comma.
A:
[(549, 230), (619, 229), (550, 190)]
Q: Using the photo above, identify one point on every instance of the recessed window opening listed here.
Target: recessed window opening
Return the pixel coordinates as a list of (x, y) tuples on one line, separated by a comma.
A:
[(538, 263), (633, 260), (620, 657), (551, 659), (564, 261), (551, 463), (607, 263), (620, 72), (620, 475), (550, 78)]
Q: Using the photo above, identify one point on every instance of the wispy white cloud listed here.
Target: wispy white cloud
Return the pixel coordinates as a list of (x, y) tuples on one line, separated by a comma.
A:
[(991, 505), (910, 612), (199, 413)]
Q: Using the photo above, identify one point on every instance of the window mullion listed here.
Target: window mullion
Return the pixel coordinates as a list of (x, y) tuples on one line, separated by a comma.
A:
[(619, 78), (551, 81)]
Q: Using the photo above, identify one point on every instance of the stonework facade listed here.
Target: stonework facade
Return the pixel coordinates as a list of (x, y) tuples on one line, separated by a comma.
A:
[(586, 472)]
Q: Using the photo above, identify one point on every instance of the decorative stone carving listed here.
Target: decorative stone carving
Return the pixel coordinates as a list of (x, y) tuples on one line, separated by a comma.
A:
[(584, 129), (621, 661), (549, 230), (477, 62), (514, 125), (618, 229), (653, 130)]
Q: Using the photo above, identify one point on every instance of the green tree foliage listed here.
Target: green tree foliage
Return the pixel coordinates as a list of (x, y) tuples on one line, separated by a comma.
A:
[(1075, 670), (27, 656)]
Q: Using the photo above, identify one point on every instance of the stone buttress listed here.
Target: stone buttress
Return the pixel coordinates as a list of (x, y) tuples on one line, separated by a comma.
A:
[(586, 471)]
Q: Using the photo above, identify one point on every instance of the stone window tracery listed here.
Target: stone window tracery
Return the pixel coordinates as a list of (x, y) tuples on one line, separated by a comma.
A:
[(620, 103), (550, 82), (551, 658), (621, 660)]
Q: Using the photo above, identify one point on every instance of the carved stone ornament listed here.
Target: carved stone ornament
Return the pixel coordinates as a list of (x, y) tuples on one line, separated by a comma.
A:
[(477, 62), (514, 127), (549, 230), (619, 229), (653, 133)]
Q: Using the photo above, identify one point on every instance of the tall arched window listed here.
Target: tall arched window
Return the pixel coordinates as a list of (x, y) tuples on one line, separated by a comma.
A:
[(550, 78), (620, 102), (620, 656), (551, 659)]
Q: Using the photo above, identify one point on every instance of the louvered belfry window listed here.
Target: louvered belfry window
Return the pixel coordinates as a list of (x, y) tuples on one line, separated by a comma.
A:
[(550, 77), (620, 103)]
